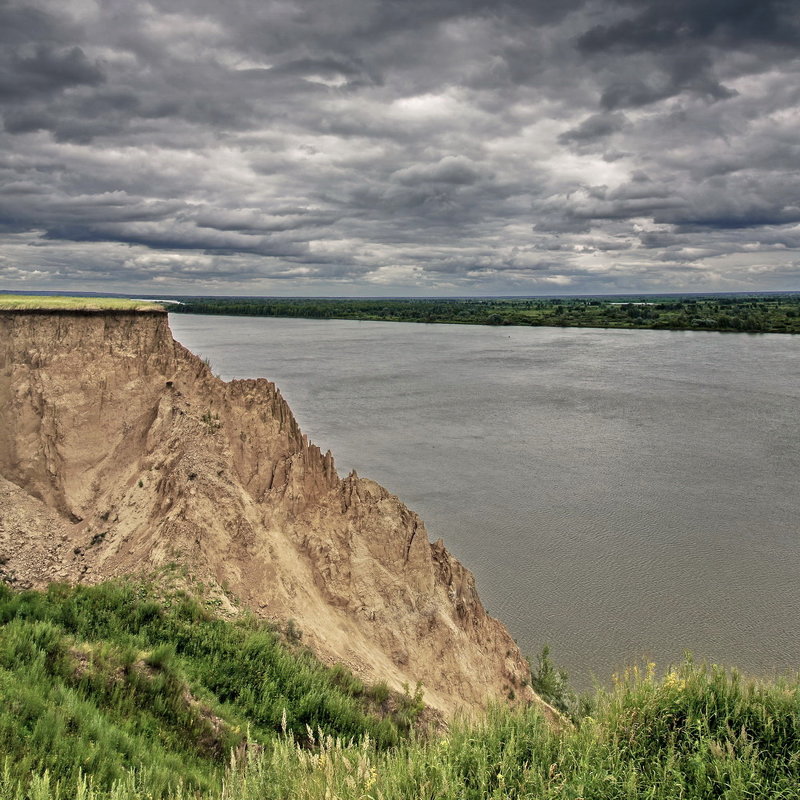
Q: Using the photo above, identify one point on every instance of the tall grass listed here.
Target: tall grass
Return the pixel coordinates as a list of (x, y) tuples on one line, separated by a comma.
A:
[(699, 732), (695, 732)]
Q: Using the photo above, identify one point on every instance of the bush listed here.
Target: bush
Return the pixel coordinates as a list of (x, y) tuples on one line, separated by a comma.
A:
[(161, 658), (551, 684)]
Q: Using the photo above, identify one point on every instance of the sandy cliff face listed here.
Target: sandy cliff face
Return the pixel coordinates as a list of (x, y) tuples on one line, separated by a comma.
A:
[(120, 451)]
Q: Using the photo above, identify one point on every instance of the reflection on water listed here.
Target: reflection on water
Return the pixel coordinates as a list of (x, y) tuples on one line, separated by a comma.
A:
[(618, 494)]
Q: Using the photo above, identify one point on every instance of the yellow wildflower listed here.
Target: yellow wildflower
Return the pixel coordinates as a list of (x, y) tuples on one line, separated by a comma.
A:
[(674, 681)]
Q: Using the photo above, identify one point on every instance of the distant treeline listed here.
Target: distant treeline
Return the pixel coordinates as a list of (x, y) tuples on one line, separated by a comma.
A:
[(767, 313)]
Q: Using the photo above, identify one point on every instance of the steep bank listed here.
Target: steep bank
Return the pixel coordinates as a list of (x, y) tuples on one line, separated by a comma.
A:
[(120, 451)]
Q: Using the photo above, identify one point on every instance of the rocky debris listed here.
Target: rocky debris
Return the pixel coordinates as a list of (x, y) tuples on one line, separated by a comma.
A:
[(120, 452)]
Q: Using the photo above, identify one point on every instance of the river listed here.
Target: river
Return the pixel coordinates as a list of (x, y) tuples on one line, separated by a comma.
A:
[(619, 494)]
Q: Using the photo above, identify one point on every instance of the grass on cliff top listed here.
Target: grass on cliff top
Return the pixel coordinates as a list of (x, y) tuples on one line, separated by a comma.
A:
[(115, 692), (25, 302)]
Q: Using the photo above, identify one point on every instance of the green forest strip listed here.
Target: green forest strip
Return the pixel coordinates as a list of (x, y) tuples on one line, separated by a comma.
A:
[(772, 313), (116, 691)]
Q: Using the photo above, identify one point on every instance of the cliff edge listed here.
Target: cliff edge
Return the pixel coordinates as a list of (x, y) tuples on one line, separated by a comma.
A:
[(121, 452)]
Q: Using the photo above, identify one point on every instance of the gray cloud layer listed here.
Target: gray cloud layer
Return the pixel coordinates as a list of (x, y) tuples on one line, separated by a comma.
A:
[(373, 147)]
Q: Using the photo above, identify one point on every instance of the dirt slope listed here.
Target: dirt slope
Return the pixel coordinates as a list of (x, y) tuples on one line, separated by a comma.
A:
[(120, 451)]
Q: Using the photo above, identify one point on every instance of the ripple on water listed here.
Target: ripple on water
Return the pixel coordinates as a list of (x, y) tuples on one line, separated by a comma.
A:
[(617, 493)]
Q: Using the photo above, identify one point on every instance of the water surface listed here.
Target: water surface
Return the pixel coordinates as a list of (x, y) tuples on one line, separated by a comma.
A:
[(619, 494)]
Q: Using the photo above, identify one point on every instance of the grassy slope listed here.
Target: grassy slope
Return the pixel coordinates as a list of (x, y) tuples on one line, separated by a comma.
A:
[(111, 679), (20, 302), (111, 691)]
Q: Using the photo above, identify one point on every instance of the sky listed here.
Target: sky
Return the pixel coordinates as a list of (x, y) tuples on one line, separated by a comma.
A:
[(399, 147)]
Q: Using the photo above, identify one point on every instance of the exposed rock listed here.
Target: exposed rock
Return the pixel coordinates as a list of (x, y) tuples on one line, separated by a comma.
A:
[(120, 451)]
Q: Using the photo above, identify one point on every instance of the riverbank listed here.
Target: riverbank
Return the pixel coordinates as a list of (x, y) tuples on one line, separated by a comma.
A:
[(765, 313)]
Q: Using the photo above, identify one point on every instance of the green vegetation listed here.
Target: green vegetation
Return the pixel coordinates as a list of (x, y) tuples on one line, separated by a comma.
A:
[(550, 683), (117, 691), (111, 680), (20, 302), (765, 313), (696, 733)]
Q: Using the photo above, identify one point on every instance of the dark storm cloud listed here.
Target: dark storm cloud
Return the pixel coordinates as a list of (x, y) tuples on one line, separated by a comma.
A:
[(597, 126), (46, 71), (22, 23), (367, 146), (661, 24), (680, 43)]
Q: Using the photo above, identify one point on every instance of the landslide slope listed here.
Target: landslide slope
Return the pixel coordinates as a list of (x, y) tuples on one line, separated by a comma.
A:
[(120, 452)]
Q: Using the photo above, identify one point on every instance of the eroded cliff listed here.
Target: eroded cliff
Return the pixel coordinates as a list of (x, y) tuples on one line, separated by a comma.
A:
[(120, 451)]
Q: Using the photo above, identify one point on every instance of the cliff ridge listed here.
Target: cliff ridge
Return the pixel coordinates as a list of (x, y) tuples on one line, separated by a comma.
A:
[(120, 452)]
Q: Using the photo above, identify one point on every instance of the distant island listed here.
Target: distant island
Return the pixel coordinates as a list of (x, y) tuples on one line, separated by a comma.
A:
[(750, 313)]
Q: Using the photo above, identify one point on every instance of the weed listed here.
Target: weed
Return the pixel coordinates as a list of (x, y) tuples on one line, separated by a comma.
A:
[(292, 633), (211, 421), (380, 692)]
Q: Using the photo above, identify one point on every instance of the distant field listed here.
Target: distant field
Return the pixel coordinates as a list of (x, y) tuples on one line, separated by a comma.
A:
[(19, 302)]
